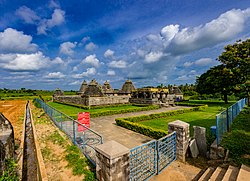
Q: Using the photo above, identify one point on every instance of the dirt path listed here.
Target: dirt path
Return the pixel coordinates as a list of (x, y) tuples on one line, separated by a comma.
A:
[(106, 126), (14, 111), (53, 148)]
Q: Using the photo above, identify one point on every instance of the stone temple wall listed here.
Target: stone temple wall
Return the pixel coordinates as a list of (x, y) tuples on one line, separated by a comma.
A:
[(92, 101), (6, 141)]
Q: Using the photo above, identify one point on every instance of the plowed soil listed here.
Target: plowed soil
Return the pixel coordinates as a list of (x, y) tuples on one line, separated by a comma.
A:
[(14, 111)]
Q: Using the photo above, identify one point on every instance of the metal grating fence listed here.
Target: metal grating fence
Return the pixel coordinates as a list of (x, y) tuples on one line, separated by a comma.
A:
[(225, 118), (166, 149), (151, 158), (86, 140)]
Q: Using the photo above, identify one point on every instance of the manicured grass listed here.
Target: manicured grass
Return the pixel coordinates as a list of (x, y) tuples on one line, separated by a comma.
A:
[(72, 111), (238, 140), (204, 118)]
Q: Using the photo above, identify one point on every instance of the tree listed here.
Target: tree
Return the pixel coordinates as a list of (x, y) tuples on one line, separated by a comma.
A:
[(236, 57), (217, 79)]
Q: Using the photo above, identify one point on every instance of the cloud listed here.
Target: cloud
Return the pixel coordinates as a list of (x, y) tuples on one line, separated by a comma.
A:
[(199, 62), (66, 48), (188, 64), (13, 41), (225, 27), (77, 82), (203, 61), (55, 75), (54, 4), (89, 72), (118, 64), (58, 60), (56, 20), (28, 15), (90, 46), (168, 32), (109, 54), (92, 60), (153, 57), (111, 72), (24, 62), (183, 78)]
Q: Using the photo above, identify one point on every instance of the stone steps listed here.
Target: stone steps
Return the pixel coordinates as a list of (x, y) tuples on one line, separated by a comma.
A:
[(230, 174)]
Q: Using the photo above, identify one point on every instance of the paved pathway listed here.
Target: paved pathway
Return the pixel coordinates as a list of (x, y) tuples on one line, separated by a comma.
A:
[(106, 126)]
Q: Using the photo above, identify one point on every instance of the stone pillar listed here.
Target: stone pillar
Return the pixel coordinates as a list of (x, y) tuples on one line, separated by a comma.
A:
[(201, 141), (182, 138), (112, 162)]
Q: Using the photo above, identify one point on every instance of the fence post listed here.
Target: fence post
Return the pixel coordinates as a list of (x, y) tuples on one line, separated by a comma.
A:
[(74, 133), (227, 121), (217, 130), (61, 120)]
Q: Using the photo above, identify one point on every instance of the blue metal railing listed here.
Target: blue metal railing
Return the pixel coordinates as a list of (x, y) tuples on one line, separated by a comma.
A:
[(86, 140), (225, 118)]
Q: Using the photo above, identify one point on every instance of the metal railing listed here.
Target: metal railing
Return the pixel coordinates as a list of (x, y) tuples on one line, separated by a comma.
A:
[(85, 140), (225, 118)]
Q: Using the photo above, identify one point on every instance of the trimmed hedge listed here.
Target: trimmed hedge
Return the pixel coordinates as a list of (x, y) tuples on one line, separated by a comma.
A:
[(132, 122)]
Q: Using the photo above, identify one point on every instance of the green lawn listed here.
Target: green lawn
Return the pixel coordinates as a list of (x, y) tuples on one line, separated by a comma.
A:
[(204, 118), (72, 111)]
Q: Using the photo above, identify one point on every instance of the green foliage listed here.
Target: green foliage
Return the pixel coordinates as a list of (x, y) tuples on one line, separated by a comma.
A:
[(78, 163), (232, 76), (102, 111), (133, 123), (56, 138), (238, 140), (10, 173)]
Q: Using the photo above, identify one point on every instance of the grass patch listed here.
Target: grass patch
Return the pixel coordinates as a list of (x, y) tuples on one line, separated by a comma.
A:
[(238, 140), (73, 111), (78, 163), (56, 138), (10, 173)]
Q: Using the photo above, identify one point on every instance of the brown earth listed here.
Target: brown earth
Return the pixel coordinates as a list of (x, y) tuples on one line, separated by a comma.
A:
[(53, 152), (14, 111)]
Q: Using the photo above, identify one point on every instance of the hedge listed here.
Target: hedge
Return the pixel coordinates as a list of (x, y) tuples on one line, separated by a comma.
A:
[(132, 122)]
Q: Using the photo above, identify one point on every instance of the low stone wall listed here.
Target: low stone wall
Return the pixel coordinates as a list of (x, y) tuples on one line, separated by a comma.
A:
[(92, 101), (143, 101), (6, 141), (72, 100), (109, 100)]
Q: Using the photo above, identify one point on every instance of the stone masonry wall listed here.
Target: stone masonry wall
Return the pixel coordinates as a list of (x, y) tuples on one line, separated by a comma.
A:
[(92, 101), (6, 141)]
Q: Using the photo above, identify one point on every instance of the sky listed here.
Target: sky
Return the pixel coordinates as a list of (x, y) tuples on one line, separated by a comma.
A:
[(58, 44)]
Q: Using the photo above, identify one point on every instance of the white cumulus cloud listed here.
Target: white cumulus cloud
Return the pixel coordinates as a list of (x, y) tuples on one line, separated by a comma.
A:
[(13, 41), (225, 27), (27, 14), (153, 57), (118, 64), (66, 48), (24, 62), (168, 32), (90, 71), (111, 72), (109, 53), (58, 18), (92, 60), (90, 46), (55, 75), (203, 61)]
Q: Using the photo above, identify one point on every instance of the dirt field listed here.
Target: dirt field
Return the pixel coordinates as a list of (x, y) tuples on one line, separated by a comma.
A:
[(14, 111)]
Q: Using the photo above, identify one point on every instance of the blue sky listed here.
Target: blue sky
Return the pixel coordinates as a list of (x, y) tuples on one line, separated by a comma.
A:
[(58, 44)]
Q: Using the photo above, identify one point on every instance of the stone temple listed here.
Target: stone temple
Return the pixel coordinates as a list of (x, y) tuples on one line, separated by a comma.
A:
[(94, 94)]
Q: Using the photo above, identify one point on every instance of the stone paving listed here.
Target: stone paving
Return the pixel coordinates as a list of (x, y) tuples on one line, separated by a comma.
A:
[(106, 126)]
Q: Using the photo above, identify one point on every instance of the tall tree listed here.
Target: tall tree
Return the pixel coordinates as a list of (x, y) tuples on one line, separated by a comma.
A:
[(236, 57), (218, 79)]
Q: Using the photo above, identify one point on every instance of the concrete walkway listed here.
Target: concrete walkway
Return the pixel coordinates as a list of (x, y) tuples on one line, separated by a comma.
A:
[(106, 126)]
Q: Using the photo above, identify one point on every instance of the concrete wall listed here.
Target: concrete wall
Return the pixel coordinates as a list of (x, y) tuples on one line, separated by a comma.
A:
[(92, 101), (6, 141)]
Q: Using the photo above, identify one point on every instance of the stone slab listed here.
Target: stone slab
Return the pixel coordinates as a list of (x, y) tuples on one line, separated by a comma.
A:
[(193, 148), (201, 141), (112, 149)]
